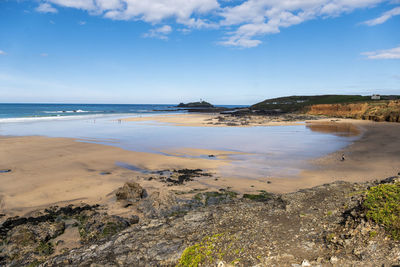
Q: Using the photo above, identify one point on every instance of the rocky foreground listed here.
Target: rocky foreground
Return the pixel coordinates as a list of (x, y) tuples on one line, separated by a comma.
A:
[(338, 224)]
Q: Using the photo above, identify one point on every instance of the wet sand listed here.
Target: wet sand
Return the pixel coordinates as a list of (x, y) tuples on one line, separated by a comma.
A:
[(376, 155), (214, 120), (48, 171)]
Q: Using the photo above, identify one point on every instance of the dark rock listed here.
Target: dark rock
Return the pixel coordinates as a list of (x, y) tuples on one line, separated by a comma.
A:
[(95, 226), (134, 219), (202, 104), (389, 180), (179, 177), (261, 197), (26, 240), (130, 192)]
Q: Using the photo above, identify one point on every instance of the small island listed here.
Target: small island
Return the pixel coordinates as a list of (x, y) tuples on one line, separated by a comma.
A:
[(201, 104)]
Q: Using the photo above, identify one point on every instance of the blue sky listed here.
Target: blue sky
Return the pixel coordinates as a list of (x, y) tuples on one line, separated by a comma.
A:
[(169, 51)]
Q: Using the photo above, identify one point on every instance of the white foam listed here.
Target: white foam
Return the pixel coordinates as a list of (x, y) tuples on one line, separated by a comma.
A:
[(68, 111), (59, 117)]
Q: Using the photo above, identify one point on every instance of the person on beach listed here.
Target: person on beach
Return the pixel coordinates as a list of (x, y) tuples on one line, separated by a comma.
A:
[(342, 159)]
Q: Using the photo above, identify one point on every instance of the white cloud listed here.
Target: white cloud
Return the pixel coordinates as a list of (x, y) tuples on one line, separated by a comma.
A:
[(255, 18), (44, 54), (384, 17), (2, 52), (81, 4), (152, 11), (246, 20), (155, 11), (159, 33), (109, 4), (393, 53), (46, 8), (82, 22)]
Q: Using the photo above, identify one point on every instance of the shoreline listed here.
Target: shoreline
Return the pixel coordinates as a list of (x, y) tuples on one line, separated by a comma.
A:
[(35, 161)]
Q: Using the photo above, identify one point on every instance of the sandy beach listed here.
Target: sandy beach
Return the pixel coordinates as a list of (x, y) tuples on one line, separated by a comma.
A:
[(214, 120), (47, 171)]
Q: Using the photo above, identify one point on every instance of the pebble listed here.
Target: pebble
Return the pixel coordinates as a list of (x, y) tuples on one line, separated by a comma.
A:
[(334, 260)]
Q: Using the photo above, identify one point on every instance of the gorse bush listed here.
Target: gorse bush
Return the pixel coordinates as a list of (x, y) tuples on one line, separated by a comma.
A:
[(211, 250), (200, 253), (382, 203)]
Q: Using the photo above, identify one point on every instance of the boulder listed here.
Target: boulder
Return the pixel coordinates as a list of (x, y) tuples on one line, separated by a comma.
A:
[(130, 192)]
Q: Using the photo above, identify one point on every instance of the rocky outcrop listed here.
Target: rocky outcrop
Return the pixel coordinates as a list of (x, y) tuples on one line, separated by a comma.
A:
[(376, 111), (202, 104), (32, 239), (321, 226)]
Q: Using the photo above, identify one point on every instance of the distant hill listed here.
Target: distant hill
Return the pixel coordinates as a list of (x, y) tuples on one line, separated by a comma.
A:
[(202, 104), (299, 103)]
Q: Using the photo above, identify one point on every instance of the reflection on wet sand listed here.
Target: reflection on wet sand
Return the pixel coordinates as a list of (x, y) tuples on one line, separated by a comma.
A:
[(338, 129)]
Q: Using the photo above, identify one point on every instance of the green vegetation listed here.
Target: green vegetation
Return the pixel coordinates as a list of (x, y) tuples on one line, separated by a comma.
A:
[(330, 237), (263, 196), (199, 253), (82, 220), (372, 234), (298, 103), (210, 250), (35, 263), (98, 232), (45, 249), (382, 203), (111, 229)]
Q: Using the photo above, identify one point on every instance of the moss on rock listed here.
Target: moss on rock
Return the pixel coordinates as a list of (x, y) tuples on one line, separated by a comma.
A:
[(262, 196)]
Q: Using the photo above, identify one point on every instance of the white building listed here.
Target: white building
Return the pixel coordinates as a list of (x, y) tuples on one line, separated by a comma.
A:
[(376, 97)]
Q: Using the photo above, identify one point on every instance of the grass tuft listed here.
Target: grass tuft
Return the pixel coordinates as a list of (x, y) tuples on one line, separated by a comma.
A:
[(382, 203)]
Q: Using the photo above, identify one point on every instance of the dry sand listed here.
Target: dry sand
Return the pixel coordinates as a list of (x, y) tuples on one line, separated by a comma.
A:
[(48, 171)]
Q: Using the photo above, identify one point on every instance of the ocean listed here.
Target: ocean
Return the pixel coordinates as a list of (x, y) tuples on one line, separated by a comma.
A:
[(8, 112)]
